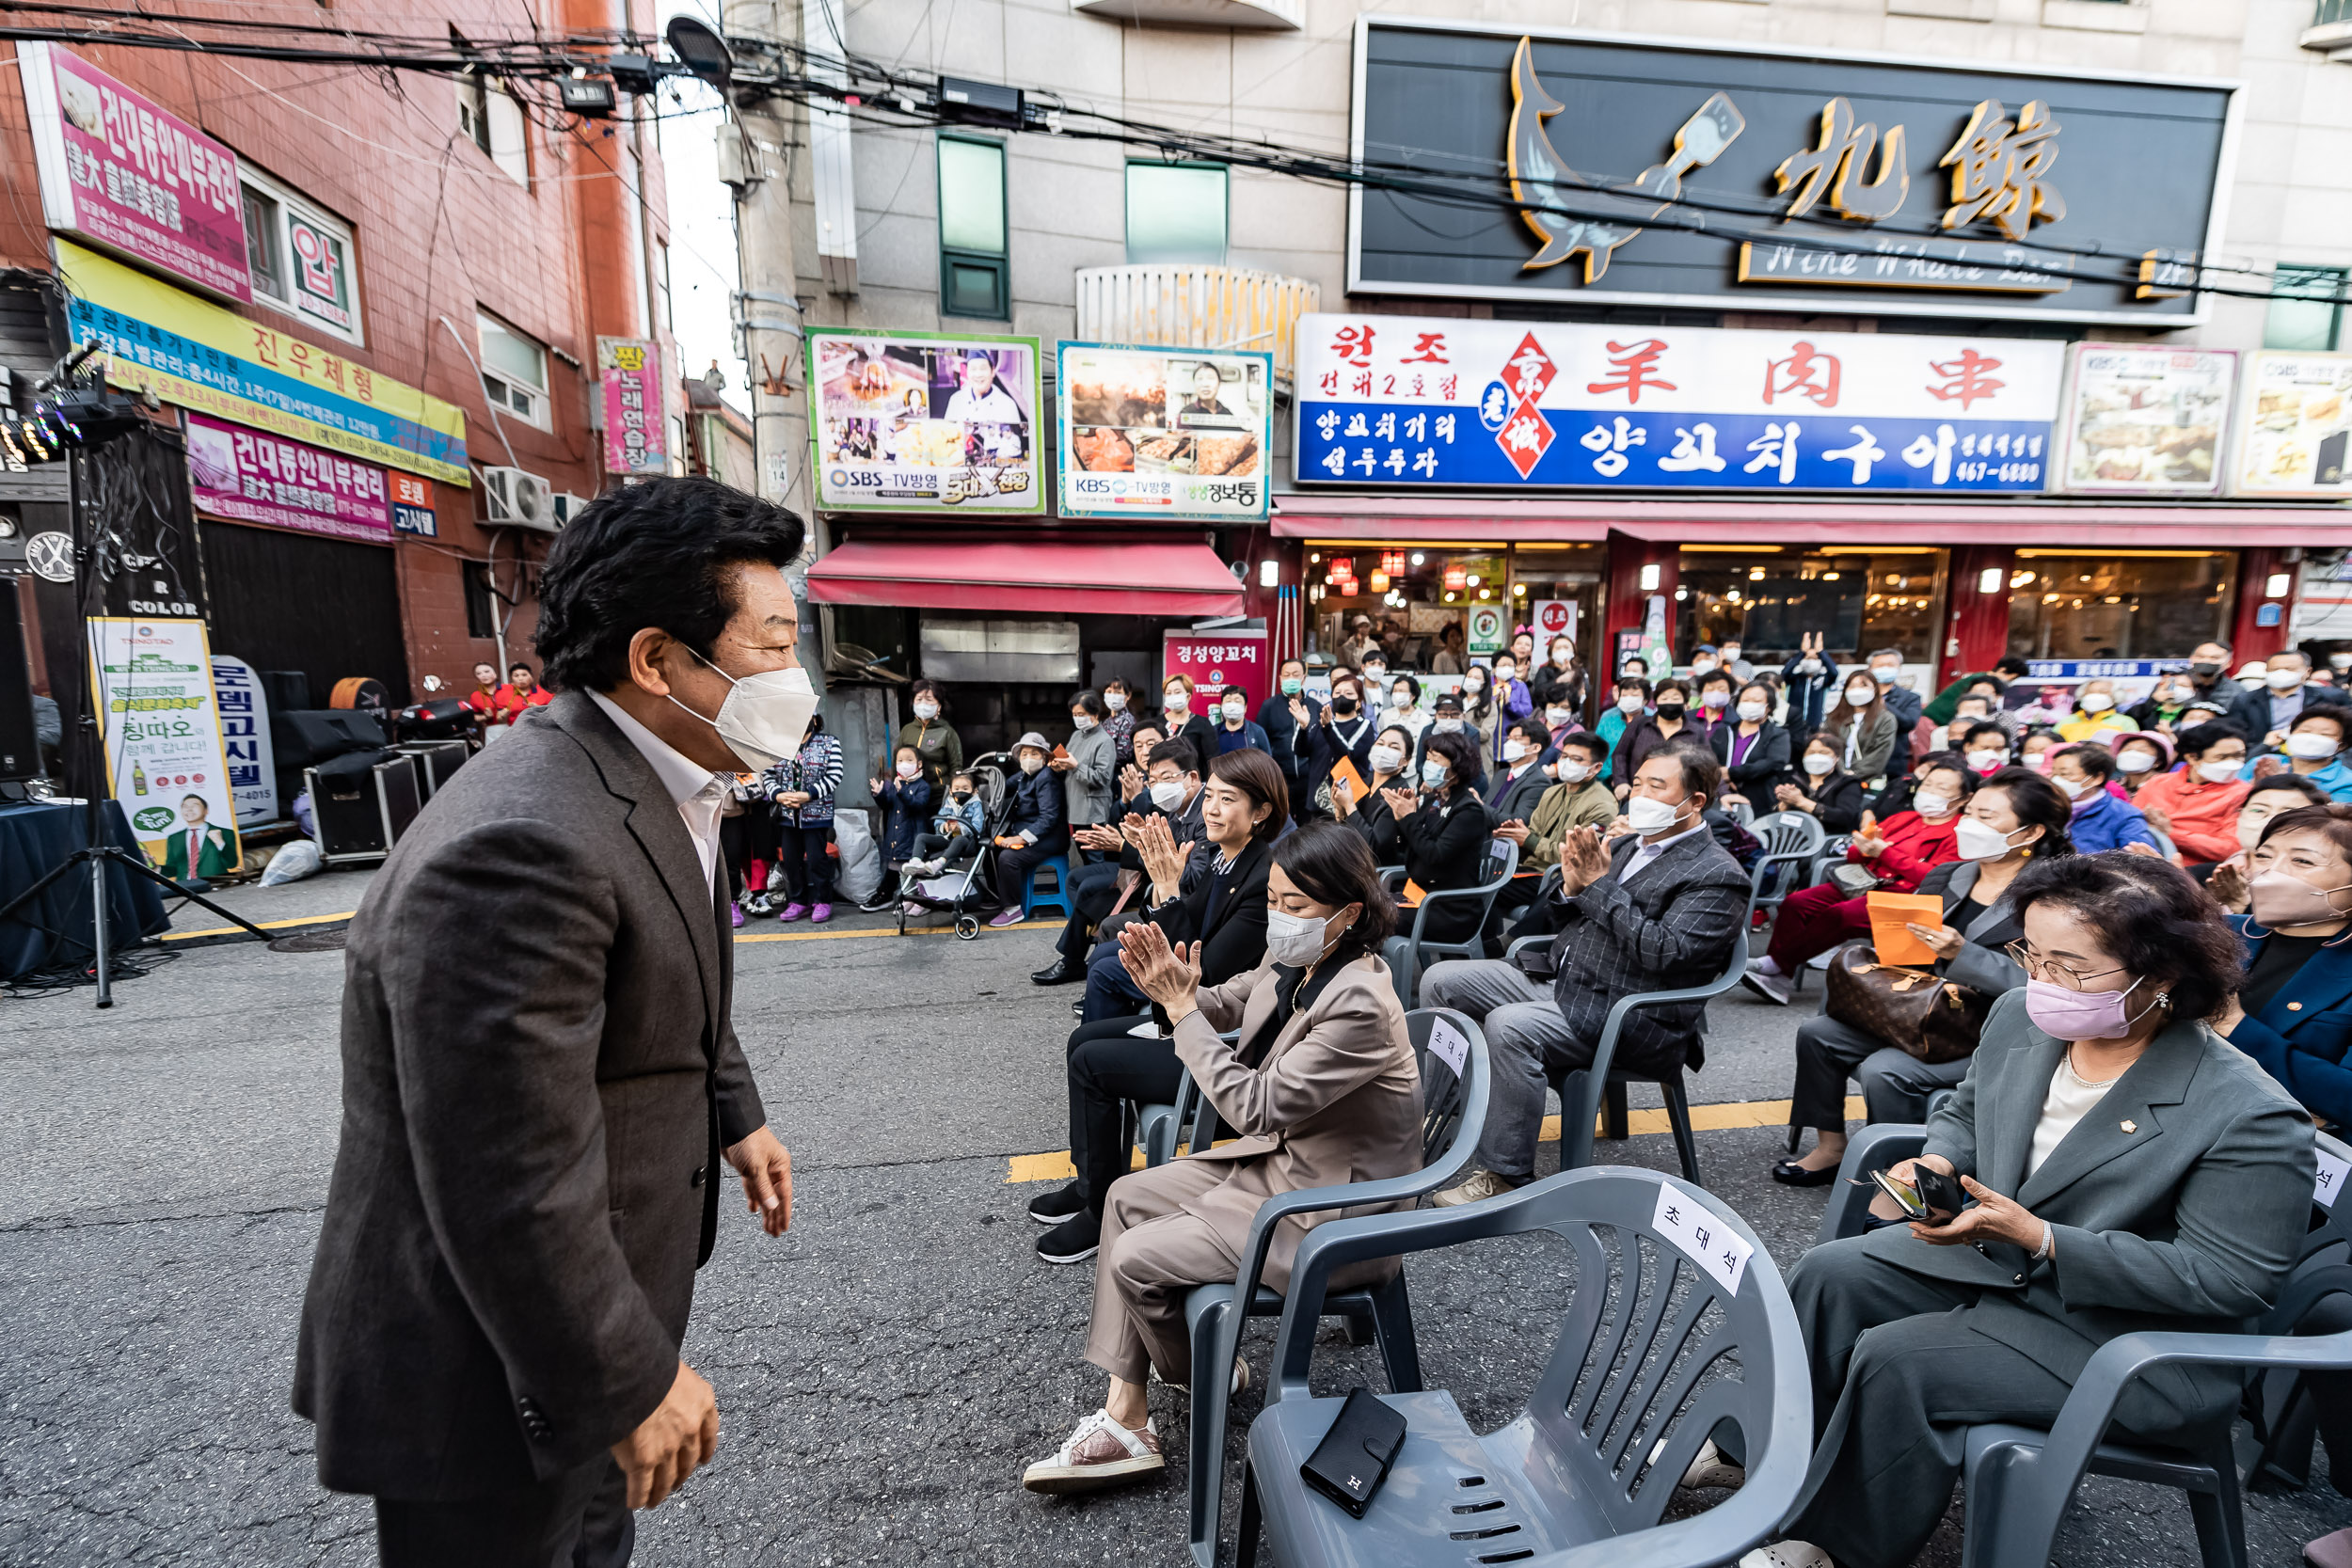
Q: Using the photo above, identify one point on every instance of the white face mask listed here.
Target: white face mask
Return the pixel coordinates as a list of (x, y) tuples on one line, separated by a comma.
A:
[(1624, 704), (1384, 758), (1563, 657), (1931, 805), (1556, 717), (2283, 680), (1083, 722), (926, 711), (908, 769), (1235, 710), (1514, 750), (2095, 701), (1808, 666), (1112, 700), (1984, 762), (1715, 699), (1473, 683), (1031, 762), (1731, 656), (1374, 671), (1296, 940), (1504, 675), (1701, 666), (1449, 726), (1401, 698), (1572, 772), (1884, 674), (2135, 762), (1750, 712), (1818, 764), (764, 716), (2340, 661), (2310, 745), (1861, 696), (1176, 701), (2070, 788), (2219, 772), (1650, 816), (1974, 841), (1168, 795)]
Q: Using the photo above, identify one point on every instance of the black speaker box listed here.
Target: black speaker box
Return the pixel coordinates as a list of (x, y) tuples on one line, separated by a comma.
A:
[(289, 691), (20, 748), (304, 738)]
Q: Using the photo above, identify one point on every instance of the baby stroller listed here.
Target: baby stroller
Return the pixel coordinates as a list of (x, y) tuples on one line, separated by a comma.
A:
[(971, 892)]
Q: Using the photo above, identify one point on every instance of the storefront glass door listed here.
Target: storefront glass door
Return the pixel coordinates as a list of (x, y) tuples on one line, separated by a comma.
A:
[(1769, 597), (2118, 604)]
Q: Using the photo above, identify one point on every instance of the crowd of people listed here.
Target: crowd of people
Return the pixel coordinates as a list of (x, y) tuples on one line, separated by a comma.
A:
[(2138, 907)]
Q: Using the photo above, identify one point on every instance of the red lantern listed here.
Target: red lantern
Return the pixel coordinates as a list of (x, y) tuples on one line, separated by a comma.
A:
[(1456, 578), (1392, 563)]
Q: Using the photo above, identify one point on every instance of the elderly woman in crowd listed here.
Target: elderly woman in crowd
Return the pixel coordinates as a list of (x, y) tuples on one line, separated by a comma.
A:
[(1090, 770), (2197, 805), (1035, 831), (1669, 716), (2226, 879), (1217, 902), (2131, 1171), (2095, 716), (1753, 749), (1320, 1085), (1119, 718), (1823, 787), (803, 787), (2103, 819), (2293, 1013), (2138, 760), (2312, 750), (2014, 819)]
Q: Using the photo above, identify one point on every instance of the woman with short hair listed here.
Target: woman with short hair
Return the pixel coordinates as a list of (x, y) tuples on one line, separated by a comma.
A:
[(1320, 1087), (933, 738), (2196, 805)]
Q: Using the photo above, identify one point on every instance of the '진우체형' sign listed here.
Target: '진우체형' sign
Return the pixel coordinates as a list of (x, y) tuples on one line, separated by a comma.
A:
[(924, 421), (1165, 433), (1441, 400), (2294, 426)]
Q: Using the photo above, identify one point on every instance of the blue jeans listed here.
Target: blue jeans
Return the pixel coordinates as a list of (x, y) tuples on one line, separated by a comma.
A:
[(1111, 993)]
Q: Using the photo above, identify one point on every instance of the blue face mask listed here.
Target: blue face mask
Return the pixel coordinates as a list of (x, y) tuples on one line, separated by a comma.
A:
[(1883, 675), (1433, 773)]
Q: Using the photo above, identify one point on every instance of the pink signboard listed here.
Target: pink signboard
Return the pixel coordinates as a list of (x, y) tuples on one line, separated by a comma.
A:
[(250, 476), (133, 177), (633, 421), (1215, 659)]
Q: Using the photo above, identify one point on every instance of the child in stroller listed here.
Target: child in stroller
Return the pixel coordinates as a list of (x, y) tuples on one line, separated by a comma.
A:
[(952, 873), (955, 833)]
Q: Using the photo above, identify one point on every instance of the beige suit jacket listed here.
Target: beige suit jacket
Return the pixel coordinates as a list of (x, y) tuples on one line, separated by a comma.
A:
[(1337, 1098)]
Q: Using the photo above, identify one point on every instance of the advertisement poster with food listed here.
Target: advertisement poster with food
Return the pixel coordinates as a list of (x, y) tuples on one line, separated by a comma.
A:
[(2144, 420), (1165, 433), (925, 421), (2292, 426)]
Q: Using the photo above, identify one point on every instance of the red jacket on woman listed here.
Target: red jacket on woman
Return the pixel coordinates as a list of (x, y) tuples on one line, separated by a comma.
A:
[(1913, 848)]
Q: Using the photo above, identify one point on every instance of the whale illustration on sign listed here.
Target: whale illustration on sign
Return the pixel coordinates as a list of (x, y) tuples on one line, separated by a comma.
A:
[(1606, 217)]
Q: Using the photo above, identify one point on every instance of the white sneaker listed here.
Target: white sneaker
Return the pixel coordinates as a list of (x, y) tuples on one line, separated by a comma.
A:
[(1102, 1452), (1771, 988), (1711, 1468), (1480, 1186), (1789, 1554)]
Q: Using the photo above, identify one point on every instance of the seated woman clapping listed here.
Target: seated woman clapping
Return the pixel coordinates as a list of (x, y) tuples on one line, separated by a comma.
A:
[(1320, 1087), (2293, 1013), (2121, 1169)]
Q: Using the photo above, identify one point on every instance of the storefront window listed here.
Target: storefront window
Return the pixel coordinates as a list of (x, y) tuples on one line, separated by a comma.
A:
[(2118, 604), (1769, 597), (1411, 594)]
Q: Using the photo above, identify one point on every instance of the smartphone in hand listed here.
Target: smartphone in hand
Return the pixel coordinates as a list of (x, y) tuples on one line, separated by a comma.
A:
[(1930, 1198)]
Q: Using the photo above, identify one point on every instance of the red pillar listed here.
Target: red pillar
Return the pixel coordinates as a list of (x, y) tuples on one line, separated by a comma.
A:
[(2248, 637), (1976, 630), (1628, 600)]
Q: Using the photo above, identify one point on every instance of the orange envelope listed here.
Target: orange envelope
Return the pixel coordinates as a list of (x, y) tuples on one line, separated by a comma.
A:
[(1889, 913), (1343, 771)]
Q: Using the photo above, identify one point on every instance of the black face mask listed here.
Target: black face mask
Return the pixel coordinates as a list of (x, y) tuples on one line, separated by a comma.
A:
[(1670, 710), (2204, 669), (1343, 706), (961, 795)]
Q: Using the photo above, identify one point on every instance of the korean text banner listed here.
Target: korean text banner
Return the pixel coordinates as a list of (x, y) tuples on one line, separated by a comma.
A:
[(1410, 400), (924, 421), (2294, 425), (1214, 660), (630, 369), (252, 476), (130, 175), (160, 719), (1160, 433), (201, 356)]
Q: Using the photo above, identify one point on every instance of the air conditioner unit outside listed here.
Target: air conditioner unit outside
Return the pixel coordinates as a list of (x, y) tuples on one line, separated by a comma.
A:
[(568, 507), (519, 499)]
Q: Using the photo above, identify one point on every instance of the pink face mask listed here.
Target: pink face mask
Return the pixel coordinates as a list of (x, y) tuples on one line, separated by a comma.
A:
[(2081, 1015)]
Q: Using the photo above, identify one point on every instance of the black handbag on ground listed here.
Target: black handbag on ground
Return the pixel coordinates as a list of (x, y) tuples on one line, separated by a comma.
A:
[(1350, 1463)]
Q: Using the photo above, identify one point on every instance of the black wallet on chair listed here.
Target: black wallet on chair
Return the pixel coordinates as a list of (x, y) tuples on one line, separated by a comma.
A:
[(1353, 1459)]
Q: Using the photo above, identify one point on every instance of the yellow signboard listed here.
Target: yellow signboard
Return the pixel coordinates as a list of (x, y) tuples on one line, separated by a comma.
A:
[(195, 354)]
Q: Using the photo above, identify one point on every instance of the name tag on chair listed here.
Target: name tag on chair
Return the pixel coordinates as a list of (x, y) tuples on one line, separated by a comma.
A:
[(1692, 1226), (1452, 1047), (2332, 1174)]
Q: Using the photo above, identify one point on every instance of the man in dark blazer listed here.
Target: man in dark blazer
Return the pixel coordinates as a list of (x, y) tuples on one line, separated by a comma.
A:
[(2265, 713), (528, 1174), (1660, 910)]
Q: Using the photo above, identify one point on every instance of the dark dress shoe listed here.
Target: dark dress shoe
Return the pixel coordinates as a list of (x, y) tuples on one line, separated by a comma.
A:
[(1063, 1202), (1061, 972), (1788, 1173)]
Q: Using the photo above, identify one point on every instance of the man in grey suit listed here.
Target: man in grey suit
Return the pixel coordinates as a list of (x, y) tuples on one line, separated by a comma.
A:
[(540, 1073), (1660, 911)]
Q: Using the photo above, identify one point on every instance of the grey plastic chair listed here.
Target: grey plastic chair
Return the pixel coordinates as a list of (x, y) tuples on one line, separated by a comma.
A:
[(1791, 838), (1832, 850), (1637, 1380), (1406, 953), (1453, 1118), (1876, 1147), (1584, 1091), (1159, 1128), (2276, 1448)]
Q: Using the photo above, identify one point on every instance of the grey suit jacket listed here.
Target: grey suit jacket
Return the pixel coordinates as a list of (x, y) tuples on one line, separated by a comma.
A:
[(538, 1074), (1090, 789), (2176, 1203), (1674, 925)]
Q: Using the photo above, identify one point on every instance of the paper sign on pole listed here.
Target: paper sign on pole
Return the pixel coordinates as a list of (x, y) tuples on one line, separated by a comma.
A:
[(160, 719)]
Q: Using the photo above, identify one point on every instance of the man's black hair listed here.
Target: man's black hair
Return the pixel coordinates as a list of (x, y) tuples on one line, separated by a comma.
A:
[(659, 554)]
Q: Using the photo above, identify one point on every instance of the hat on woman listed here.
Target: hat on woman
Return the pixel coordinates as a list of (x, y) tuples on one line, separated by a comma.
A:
[(1032, 739)]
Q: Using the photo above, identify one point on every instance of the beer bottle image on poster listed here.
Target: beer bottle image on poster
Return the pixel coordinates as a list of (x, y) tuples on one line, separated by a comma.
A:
[(159, 716), (912, 422)]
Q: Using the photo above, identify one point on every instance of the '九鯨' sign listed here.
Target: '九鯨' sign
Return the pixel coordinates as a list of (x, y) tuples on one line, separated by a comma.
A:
[(1403, 400)]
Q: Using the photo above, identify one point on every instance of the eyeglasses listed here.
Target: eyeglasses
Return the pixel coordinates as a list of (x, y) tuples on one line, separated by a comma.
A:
[(2046, 969)]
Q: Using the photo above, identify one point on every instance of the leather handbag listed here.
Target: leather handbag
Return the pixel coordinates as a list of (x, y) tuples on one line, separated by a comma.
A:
[(1852, 880), (1912, 1009), (1353, 1459)]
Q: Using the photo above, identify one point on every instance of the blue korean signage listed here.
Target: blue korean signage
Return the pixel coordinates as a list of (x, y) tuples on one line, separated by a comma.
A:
[(1401, 400)]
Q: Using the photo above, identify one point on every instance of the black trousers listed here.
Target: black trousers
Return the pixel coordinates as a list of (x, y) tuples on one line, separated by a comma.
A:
[(1108, 1067), (1895, 1084), (580, 1519), (1014, 866), (806, 860), (1093, 889)]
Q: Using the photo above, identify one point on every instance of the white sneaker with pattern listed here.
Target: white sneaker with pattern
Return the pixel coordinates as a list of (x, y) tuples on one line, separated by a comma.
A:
[(1789, 1554), (1103, 1453)]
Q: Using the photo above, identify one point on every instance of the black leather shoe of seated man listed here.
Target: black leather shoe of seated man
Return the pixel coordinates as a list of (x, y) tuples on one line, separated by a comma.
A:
[(1061, 972), (1073, 1241)]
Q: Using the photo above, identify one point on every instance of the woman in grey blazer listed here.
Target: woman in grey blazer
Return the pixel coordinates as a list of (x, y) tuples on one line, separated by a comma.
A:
[(2019, 818), (1090, 774), (2130, 1170)]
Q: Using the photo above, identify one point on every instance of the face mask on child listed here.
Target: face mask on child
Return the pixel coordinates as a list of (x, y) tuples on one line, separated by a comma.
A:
[(909, 770)]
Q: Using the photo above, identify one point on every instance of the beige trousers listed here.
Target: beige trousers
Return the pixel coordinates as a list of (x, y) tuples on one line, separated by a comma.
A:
[(1153, 1253)]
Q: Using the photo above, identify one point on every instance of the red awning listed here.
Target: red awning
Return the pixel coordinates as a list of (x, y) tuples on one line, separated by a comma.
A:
[(1032, 576), (1743, 519)]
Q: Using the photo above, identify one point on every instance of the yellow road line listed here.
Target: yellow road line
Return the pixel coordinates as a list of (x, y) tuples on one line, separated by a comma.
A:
[(1704, 1118), (264, 925), (768, 936)]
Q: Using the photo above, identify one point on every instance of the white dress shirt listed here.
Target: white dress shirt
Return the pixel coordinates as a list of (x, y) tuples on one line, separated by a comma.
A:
[(1647, 852), (700, 793)]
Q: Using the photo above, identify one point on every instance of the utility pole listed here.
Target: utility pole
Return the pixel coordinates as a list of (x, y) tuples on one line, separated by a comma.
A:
[(767, 306)]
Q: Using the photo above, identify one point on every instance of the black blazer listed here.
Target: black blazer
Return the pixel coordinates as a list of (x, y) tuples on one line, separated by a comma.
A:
[(1766, 764), (1320, 746), (1281, 731), (1518, 799), (1038, 807), (2250, 712), (1443, 844), (1376, 824), (528, 1173), (1233, 937), (1838, 799)]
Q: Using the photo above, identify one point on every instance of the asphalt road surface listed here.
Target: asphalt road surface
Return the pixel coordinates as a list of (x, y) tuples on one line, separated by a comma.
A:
[(883, 1371)]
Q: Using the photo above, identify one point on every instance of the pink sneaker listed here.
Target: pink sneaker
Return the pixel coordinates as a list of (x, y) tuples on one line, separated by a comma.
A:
[(821, 913), (793, 911), (1006, 917), (737, 911)]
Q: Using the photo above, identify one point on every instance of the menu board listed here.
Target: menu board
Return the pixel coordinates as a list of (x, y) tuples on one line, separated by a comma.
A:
[(1165, 433), (2293, 425), (2145, 420), (924, 421)]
